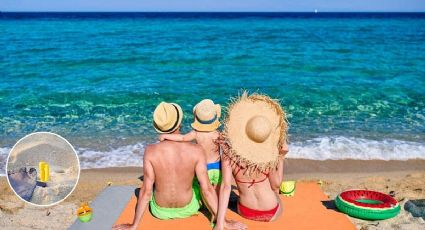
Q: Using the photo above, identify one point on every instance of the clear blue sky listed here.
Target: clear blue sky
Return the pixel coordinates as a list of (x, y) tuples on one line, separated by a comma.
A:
[(213, 5)]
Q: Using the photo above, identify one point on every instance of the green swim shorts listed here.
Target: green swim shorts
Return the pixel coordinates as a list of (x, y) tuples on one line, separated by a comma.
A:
[(215, 176), (214, 172), (175, 213)]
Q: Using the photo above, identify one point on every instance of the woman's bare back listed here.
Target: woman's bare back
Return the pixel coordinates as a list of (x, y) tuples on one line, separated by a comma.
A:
[(255, 191)]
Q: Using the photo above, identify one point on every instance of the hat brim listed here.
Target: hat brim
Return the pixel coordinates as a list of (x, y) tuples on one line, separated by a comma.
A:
[(244, 151), (196, 125), (179, 122)]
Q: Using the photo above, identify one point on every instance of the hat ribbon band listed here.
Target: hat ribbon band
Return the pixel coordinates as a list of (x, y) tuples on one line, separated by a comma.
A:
[(175, 123), (206, 122)]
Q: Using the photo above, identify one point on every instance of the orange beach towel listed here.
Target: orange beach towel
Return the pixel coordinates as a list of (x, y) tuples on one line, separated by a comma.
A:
[(305, 210)]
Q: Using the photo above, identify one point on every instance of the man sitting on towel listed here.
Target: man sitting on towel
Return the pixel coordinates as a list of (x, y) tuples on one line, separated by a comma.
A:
[(172, 167)]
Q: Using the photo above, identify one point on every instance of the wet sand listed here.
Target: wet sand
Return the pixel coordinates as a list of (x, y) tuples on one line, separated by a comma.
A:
[(405, 178)]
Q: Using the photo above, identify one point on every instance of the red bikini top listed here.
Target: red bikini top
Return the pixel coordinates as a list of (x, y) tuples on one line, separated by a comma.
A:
[(253, 180)]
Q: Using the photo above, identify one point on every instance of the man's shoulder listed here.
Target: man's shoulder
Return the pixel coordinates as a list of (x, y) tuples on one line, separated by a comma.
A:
[(188, 147), (149, 150), (194, 149), (186, 144), (191, 146)]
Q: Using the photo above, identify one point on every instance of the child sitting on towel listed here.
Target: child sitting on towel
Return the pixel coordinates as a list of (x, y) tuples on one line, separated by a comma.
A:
[(206, 121)]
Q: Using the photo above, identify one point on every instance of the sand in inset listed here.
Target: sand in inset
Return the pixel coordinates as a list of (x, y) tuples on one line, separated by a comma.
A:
[(58, 154)]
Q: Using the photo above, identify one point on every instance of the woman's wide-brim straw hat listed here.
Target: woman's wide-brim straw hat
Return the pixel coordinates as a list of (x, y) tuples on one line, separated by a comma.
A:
[(255, 129), (167, 117), (206, 116)]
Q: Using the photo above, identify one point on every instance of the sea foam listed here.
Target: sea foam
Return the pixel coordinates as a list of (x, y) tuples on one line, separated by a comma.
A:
[(3, 157), (337, 148), (324, 148), (129, 155)]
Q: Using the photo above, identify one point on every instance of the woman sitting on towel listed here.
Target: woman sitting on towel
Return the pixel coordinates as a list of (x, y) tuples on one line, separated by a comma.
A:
[(254, 146)]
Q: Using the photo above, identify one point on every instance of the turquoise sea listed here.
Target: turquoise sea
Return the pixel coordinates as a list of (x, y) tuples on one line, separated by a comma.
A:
[(353, 85)]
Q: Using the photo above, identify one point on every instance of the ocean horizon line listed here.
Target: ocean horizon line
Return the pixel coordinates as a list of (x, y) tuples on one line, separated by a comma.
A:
[(203, 15), (225, 12)]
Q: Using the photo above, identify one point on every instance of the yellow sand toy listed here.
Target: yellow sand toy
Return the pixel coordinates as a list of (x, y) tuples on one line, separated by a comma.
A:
[(84, 213), (44, 171), (287, 188)]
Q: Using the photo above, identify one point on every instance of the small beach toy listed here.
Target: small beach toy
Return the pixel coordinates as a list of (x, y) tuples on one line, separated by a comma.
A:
[(41, 170), (320, 182), (287, 188), (367, 205), (84, 213), (44, 171)]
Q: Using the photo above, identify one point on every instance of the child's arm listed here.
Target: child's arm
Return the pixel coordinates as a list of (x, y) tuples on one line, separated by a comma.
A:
[(190, 136), (276, 176)]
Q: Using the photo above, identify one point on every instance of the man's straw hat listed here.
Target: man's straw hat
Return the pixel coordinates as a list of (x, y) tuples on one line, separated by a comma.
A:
[(167, 117), (255, 129), (207, 115)]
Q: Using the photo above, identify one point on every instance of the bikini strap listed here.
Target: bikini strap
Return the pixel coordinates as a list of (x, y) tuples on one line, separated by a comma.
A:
[(220, 151), (253, 180)]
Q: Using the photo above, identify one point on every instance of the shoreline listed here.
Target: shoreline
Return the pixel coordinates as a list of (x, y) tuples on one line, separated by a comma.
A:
[(299, 166), (293, 165)]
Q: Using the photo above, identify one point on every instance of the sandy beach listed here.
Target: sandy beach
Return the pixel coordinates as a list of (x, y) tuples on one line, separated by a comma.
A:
[(405, 178)]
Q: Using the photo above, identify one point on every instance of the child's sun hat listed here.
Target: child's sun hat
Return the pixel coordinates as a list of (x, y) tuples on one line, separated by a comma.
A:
[(255, 129), (207, 115), (167, 117)]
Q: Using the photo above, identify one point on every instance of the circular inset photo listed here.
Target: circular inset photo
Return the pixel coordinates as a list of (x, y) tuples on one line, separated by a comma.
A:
[(43, 168)]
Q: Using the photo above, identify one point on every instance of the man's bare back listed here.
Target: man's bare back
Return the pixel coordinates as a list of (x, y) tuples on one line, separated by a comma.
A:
[(174, 166)]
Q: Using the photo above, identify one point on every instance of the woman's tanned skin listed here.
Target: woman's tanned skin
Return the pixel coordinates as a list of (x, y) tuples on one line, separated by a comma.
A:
[(259, 196)]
